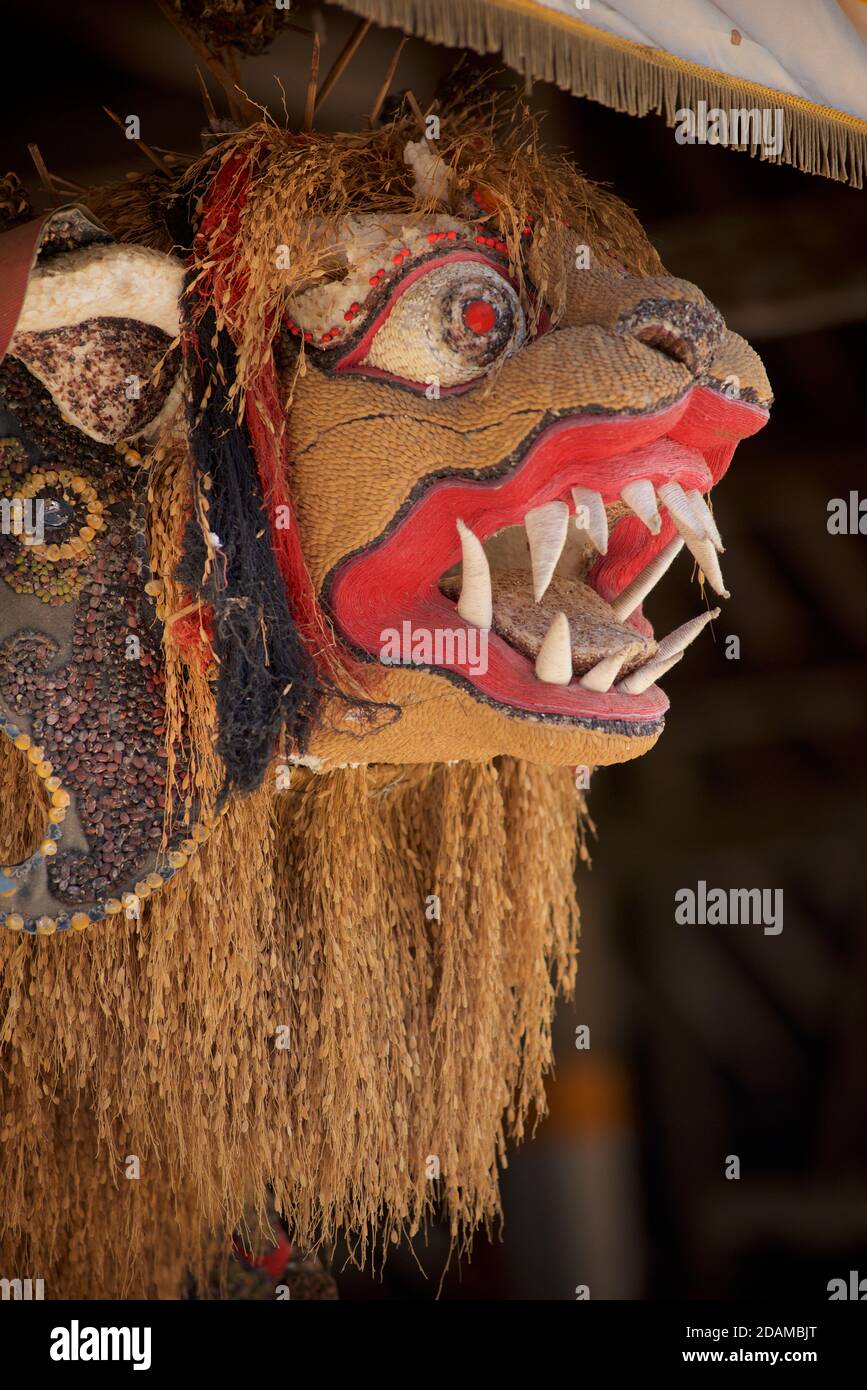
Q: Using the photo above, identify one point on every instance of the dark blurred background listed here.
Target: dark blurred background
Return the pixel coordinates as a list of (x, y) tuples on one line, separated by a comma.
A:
[(706, 1042)]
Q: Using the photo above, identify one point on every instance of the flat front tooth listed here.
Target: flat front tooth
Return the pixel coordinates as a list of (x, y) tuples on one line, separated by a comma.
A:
[(589, 504), (682, 636), (627, 602), (475, 604), (641, 498), (554, 662), (546, 528), (704, 513), (602, 676), (647, 675), (677, 504), (709, 565)]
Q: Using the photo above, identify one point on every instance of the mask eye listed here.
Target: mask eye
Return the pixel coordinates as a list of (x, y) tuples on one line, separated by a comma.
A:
[(450, 327)]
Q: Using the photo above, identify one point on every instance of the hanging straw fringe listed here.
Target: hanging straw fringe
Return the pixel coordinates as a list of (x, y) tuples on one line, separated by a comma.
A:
[(589, 62), (293, 1011)]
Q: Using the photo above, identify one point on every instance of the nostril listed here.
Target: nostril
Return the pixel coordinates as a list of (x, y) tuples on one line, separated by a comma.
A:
[(683, 330), (662, 337)]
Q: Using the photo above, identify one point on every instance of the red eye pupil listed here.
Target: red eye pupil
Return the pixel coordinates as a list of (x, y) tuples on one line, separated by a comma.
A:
[(479, 316)]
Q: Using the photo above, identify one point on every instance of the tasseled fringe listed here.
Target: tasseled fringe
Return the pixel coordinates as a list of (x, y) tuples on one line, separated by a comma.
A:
[(589, 62), (346, 995)]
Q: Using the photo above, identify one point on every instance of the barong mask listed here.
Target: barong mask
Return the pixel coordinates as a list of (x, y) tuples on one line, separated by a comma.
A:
[(428, 461)]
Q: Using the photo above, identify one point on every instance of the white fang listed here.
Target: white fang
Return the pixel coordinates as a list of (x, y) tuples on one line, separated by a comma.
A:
[(704, 513), (554, 662), (627, 602), (645, 676), (602, 676), (475, 604), (682, 636), (546, 528), (640, 497), (597, 521)]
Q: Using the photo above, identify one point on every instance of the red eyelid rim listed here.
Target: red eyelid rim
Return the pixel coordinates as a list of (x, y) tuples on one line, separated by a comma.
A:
[(361, 349)]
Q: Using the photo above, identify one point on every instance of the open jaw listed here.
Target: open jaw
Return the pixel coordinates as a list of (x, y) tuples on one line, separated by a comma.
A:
[(524, 582)]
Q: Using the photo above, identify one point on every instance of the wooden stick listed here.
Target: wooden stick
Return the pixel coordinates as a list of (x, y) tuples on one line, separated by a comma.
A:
[(229, 57), (389, 78), (415, 108), (312, 83), (42, 170), (342, 61), (210, 109), (67, 184), (215, 65), (146, 150)]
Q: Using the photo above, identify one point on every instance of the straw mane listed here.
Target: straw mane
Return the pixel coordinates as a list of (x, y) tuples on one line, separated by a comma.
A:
[(347, 996)]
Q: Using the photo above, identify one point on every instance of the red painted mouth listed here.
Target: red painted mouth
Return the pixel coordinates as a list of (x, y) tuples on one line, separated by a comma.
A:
[(393, 585)]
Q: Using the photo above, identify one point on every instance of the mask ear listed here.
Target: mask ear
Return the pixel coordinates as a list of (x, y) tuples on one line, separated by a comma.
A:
[(94, 324)]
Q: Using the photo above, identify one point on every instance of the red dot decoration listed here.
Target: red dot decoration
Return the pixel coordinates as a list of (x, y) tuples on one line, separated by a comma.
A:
[(479, 316)]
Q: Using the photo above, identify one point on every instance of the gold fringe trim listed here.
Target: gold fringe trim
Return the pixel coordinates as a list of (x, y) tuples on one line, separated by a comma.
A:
[(291, 1012), (627, 76)]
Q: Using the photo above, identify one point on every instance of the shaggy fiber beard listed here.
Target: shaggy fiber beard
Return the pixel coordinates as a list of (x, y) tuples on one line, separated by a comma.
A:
[(303, 918)]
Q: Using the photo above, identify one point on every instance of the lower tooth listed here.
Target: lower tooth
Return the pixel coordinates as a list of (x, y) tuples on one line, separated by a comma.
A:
[(682, 636), (602, 676), (554, 662), (626, 602), (647, 675), (475, 604)]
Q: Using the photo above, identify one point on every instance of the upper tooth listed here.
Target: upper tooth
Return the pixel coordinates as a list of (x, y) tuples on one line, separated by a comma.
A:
[(597, 522), (602, 676), (627, 602), (709, 564), (704, 513), (679, 509), (638, 681), (694, 532), (554, 662), (546, 528), (641, 497), (680, 639), (475, 604)]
